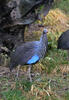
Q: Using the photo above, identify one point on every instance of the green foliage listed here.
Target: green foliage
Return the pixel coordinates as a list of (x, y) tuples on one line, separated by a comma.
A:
[(26, 85), (54, 60), (62, 4), (13, 95), (67, 96)]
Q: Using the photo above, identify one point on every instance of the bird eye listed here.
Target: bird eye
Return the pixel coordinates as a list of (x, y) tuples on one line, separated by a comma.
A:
[(45, 31)]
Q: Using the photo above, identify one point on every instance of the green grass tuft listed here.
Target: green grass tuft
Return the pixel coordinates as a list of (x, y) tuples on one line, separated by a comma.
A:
[(13, 95), (63, 5)]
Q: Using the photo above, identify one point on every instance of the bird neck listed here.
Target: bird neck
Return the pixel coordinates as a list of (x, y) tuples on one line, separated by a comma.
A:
[(43, 39)]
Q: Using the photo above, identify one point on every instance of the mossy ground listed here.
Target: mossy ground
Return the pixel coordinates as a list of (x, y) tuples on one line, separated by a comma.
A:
[(51, 80)]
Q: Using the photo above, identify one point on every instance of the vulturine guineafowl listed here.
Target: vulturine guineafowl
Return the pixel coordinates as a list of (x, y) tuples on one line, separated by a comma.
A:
[(63, 41), (29, 53)]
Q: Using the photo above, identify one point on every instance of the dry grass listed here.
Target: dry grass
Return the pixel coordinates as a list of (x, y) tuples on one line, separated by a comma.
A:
[(57, 20)]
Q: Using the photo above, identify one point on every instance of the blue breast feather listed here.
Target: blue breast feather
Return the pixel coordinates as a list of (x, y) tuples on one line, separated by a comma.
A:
[(34, 59)]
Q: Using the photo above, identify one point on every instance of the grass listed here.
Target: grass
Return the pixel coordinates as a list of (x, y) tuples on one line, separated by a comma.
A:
[(14, 95), (52, 83), (52, 60), (47, 88), (63, 5)]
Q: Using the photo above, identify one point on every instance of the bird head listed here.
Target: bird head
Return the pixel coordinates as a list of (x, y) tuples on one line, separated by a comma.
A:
[(45, 31), (44, 35)]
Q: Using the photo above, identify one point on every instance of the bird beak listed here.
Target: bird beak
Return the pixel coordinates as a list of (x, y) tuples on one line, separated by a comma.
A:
[(47, 31)]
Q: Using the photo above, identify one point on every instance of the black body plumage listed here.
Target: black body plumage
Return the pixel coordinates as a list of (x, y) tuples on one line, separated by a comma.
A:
[(29, 53), (63, 41)]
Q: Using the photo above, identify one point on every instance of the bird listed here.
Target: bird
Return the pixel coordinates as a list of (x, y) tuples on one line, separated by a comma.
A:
[(29, 53), (63, 41)]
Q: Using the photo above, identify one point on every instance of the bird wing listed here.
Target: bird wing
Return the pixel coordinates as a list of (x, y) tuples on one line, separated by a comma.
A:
[(25, 54), (33, 59), (63, 40), (67, 45), (64, 36)]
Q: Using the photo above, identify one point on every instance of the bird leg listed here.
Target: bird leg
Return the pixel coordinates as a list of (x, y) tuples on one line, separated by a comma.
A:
[(17, 75), (28, 73)]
